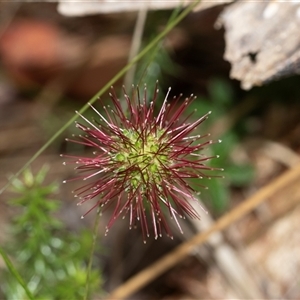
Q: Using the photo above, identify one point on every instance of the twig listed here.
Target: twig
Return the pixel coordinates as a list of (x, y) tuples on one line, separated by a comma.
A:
[(136, 44), (281, 153), (178, 254), (227, 258)]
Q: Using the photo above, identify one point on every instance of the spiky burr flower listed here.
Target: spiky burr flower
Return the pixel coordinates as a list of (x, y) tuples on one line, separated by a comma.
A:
[(142, 162)]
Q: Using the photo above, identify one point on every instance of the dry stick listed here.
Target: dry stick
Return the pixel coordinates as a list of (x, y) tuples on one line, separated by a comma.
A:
[(136, 44), (178, 254)]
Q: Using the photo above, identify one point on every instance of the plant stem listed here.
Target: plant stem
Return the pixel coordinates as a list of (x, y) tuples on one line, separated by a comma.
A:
[(15, 273), (89, 267), (136, 44)]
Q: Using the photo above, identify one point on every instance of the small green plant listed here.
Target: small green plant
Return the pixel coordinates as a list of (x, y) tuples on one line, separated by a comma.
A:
[(50, 259)]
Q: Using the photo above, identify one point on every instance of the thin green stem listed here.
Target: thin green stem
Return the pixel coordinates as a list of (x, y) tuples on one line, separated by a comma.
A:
[(142, 53), (15, 273), (89, 267), (158, 46)]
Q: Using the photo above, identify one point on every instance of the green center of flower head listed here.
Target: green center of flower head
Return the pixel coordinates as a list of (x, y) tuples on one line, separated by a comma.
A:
[(142, 157)]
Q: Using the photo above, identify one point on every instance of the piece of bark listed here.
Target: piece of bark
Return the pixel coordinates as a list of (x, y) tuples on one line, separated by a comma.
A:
[(73, 8), (262, 40)]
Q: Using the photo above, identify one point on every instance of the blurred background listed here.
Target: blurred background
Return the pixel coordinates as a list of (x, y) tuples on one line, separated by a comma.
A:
[(54, 58)]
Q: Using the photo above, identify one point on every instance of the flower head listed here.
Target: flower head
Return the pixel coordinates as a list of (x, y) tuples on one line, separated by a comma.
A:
[(142, 161)]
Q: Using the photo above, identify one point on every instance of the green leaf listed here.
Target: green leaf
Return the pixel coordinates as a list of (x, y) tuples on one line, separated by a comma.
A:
[(220, 92), (224, 149), (239, 175), (217, 196)]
